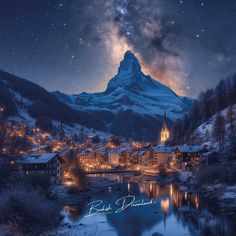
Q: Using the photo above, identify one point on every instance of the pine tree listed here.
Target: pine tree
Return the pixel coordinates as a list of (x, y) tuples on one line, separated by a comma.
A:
[(207, 135), (219, 131), (232, 133), (195, 138)]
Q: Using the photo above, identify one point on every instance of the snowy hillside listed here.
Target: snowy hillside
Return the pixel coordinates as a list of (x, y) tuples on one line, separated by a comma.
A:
[(26, 101), (205, 130)]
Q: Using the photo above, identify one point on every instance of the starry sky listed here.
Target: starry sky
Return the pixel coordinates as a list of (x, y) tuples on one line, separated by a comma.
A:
[(77, 45)]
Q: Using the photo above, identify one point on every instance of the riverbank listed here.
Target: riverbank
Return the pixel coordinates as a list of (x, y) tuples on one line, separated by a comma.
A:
[(224, 194), (72, 196), (177, 194)]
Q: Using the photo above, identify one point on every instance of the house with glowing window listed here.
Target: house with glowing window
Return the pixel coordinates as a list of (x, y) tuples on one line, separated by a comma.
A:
[(165, 133), (47, 164)]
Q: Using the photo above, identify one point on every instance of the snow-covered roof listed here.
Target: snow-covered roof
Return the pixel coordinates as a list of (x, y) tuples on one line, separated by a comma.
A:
[(37, 158), (135, 153), (40, 147), (187, 148), (117, 151), (163, 149), (207, 154), (100, 149)]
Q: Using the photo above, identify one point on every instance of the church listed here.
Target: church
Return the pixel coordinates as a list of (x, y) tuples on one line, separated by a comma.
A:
[(165, 133)]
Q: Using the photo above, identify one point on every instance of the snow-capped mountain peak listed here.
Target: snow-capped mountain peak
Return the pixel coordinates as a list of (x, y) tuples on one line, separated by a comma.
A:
[(129, 72), (130, 64), (130, 78), (133, 103)]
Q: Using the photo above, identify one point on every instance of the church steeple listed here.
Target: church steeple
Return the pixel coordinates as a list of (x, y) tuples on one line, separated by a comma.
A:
[(165, 134), (164, 126)]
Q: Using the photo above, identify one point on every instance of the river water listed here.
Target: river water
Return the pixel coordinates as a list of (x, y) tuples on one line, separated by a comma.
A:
[(156, 210)]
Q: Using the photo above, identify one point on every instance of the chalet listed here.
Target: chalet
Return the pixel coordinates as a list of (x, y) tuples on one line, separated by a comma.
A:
[(136, 157), (161, 153), (101, 155), (41, 149), (48, 164), (114, 157), (186, 157), (147, 157)]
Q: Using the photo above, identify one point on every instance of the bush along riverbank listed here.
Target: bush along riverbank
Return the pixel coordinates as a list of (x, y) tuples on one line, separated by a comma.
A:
[(27, 205)]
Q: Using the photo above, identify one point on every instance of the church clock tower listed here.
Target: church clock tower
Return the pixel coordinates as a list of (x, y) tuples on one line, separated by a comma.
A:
[(165, 133)]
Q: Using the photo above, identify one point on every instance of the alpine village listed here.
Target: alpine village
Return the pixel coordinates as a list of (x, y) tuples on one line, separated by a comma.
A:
[(56, 148)]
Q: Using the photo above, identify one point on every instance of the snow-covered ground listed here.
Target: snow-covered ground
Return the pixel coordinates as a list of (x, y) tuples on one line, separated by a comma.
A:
[(205, 130), (23, 115)]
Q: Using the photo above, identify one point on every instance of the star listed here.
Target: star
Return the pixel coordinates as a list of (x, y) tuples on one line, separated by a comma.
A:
[(81, 41)]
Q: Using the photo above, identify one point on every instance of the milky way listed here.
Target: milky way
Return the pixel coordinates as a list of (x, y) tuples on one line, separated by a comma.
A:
[(76, 45)]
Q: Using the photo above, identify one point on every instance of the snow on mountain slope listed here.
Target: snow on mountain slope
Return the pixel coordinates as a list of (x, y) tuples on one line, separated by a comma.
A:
[(205, 130), (22, 114), (133, 103), (25, 100), (131, 89)]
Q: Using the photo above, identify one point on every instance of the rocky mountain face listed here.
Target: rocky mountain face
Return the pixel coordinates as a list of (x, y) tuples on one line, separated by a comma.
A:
[(133, 103)]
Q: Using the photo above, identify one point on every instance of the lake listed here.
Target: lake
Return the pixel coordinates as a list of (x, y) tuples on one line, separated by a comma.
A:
[(134, 207)]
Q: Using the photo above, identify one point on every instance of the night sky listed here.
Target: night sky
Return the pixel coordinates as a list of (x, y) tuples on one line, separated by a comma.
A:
[(76, 45)]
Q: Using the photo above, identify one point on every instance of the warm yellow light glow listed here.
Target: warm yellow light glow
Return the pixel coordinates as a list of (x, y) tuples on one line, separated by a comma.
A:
[(196, 201), (165, 135), (165, 204), (171, 190), (185, 195)]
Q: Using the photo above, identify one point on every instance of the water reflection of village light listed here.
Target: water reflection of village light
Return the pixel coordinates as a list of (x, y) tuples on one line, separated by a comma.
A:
[(128, 186), (141, 189), (171, 190), (196, 200), (150, 187), (165, 204), (185, 195)]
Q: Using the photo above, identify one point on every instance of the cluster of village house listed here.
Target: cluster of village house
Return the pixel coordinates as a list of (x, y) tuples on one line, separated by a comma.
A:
[(49, 158), (180, 158)]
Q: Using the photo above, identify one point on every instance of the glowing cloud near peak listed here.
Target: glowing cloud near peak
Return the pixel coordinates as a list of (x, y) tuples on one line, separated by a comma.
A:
[(170, 74)]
